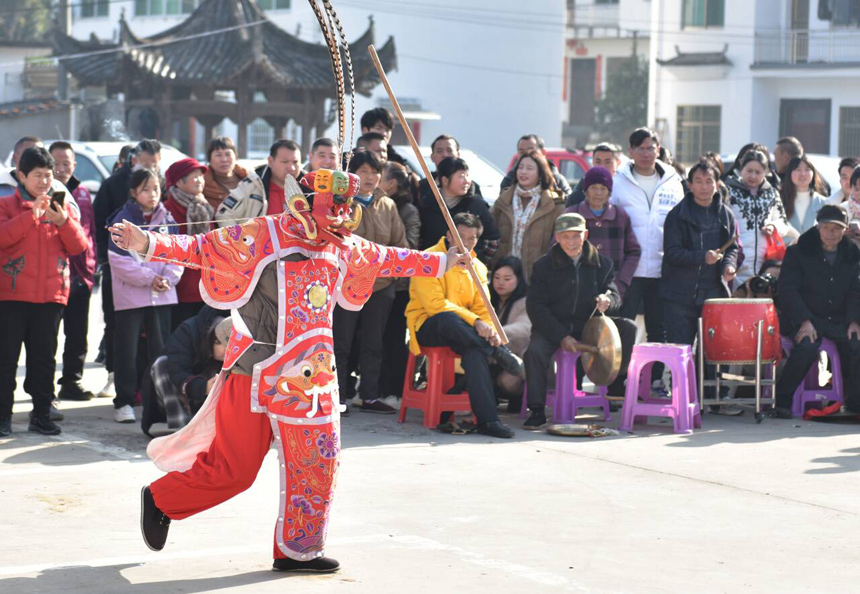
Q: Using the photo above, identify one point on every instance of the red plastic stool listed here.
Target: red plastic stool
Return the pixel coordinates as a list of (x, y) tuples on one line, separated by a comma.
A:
[(433, 400)]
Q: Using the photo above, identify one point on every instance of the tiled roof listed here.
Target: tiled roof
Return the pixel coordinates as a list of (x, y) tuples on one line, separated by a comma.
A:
[(186, 55), (697, 58), (31, 106)]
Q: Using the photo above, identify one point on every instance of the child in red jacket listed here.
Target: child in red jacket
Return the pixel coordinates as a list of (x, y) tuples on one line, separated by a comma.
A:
[(39, 230)]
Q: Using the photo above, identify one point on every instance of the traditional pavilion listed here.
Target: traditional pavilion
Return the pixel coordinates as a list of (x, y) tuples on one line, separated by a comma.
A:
[(224, 45)]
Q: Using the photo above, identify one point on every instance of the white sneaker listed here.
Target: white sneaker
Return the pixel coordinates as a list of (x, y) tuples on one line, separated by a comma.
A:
[(124, 414), (108, 391), (392, 401)]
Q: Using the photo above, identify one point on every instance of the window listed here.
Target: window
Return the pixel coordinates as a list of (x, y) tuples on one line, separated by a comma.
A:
[(703, 13), (698, 131), (85, 170), (849, 131), (808, 119), (273, 4), (260, 135), (571, 170), (94, 8), (159, 7)]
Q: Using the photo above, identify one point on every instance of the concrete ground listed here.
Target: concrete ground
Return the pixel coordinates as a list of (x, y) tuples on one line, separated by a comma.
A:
[(735, 507)]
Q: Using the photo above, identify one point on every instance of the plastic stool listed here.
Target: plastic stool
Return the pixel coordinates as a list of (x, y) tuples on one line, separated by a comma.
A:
[(809, 390), (566, 400), (433, 399), (683, 408)]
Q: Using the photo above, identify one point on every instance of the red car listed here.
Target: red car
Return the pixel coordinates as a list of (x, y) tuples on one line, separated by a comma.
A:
[(571, 164)]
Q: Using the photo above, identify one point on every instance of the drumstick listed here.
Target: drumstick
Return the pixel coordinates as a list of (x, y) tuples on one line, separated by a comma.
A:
[(728, 244), (606, 294)]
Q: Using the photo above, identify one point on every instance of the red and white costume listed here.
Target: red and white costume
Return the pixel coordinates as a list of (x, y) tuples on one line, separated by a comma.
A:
[(291, 394)]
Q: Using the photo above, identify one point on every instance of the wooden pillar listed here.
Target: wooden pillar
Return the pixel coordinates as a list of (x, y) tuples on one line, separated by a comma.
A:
[(242, 100), (306, 120)]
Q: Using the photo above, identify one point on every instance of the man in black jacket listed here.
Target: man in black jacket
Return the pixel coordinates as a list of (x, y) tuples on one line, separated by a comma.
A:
[(443, 147), (566, 285), (694, 267), (819, 297), (457, 188)]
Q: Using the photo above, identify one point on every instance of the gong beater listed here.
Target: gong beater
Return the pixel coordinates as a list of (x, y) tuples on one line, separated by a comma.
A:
[(600, 346)]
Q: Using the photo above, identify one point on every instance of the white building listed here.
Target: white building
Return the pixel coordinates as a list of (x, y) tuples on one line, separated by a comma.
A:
[(20, 67), (490, 70), (601, 34), (727, 72)]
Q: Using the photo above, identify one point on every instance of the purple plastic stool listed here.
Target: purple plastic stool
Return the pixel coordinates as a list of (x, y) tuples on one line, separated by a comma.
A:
[(566, 400), (683, 408), (809, 390)]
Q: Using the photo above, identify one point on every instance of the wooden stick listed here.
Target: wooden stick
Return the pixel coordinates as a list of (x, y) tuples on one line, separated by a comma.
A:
[(458, 241)]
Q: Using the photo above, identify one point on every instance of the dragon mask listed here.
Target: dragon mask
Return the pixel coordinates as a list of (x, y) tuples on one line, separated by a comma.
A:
[(329, 215)]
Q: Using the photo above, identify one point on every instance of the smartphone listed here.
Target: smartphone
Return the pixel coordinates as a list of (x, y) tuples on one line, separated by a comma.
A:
[(59, 198)]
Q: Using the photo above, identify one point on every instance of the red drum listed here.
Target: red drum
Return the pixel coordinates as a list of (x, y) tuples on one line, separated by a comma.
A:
[(730, 326)]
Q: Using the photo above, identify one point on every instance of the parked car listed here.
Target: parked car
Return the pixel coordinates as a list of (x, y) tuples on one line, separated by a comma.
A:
[(108, 153), (90, 170), (572, 164), (482, 171), (95, 160)]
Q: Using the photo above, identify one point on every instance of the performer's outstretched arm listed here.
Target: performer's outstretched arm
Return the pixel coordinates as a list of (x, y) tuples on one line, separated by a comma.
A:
[(364, 261), (176, 249)]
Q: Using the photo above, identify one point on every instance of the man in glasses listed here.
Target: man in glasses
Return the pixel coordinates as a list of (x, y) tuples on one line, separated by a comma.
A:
[(647, 190)]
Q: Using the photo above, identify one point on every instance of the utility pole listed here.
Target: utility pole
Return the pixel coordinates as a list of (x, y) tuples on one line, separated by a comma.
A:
[(64, 24)]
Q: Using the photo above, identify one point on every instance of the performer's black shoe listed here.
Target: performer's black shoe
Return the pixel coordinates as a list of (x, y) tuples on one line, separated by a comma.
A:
[(154, 524), (318, 565), (495, 429)]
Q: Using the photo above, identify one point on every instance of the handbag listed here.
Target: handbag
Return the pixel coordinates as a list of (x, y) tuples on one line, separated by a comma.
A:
[(775, 248)]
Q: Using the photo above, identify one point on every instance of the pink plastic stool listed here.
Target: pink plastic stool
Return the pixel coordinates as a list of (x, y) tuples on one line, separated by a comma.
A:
[(683, 408), (566, 400), (809, 390)]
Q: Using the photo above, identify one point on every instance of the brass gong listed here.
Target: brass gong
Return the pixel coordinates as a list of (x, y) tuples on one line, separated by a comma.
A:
[(601, 350)]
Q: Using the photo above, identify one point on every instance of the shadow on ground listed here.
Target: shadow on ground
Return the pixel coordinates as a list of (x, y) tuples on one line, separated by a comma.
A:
[(86, 579)]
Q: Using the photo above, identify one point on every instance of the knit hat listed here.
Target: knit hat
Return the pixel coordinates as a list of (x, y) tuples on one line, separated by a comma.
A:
[(597, 175), (180, 169), (223, 329)]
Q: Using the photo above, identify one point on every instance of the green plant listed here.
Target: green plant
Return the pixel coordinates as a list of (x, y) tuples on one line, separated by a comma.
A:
[(625, 103)]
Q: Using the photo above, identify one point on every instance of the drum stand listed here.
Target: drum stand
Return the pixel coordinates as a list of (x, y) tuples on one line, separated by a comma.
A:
[(731, 379)]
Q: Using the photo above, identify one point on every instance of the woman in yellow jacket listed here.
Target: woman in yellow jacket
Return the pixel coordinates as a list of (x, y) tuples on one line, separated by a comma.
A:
[(449, 312)]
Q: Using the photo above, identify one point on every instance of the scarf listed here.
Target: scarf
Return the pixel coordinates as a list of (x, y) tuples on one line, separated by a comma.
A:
[(216, 188), (364, 200), (197, 210), (522, 214), (853, 208)]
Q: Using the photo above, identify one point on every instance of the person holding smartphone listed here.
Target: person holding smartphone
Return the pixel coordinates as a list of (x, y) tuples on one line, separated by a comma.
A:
[(39, 230)]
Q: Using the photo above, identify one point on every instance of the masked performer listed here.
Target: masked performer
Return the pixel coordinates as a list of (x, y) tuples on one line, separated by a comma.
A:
[(280, 276)]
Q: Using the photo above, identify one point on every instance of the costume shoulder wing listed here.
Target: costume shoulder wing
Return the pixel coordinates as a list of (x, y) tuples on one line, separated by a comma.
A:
[(233, 258)]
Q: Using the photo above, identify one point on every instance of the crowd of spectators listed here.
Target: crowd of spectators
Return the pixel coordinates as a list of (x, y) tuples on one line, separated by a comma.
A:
[(644, 236)]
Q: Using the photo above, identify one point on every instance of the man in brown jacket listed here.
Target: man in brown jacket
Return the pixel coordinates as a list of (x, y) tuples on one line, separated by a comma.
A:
[(380, 223)]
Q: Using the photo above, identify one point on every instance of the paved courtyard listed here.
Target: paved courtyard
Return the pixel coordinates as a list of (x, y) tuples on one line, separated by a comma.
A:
[(735, 507)]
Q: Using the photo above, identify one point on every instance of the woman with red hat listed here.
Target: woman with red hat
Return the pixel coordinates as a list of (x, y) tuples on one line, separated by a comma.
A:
[(184, 183)]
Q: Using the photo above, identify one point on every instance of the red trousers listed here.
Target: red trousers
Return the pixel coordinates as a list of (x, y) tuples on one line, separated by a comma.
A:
[(309, 455)]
